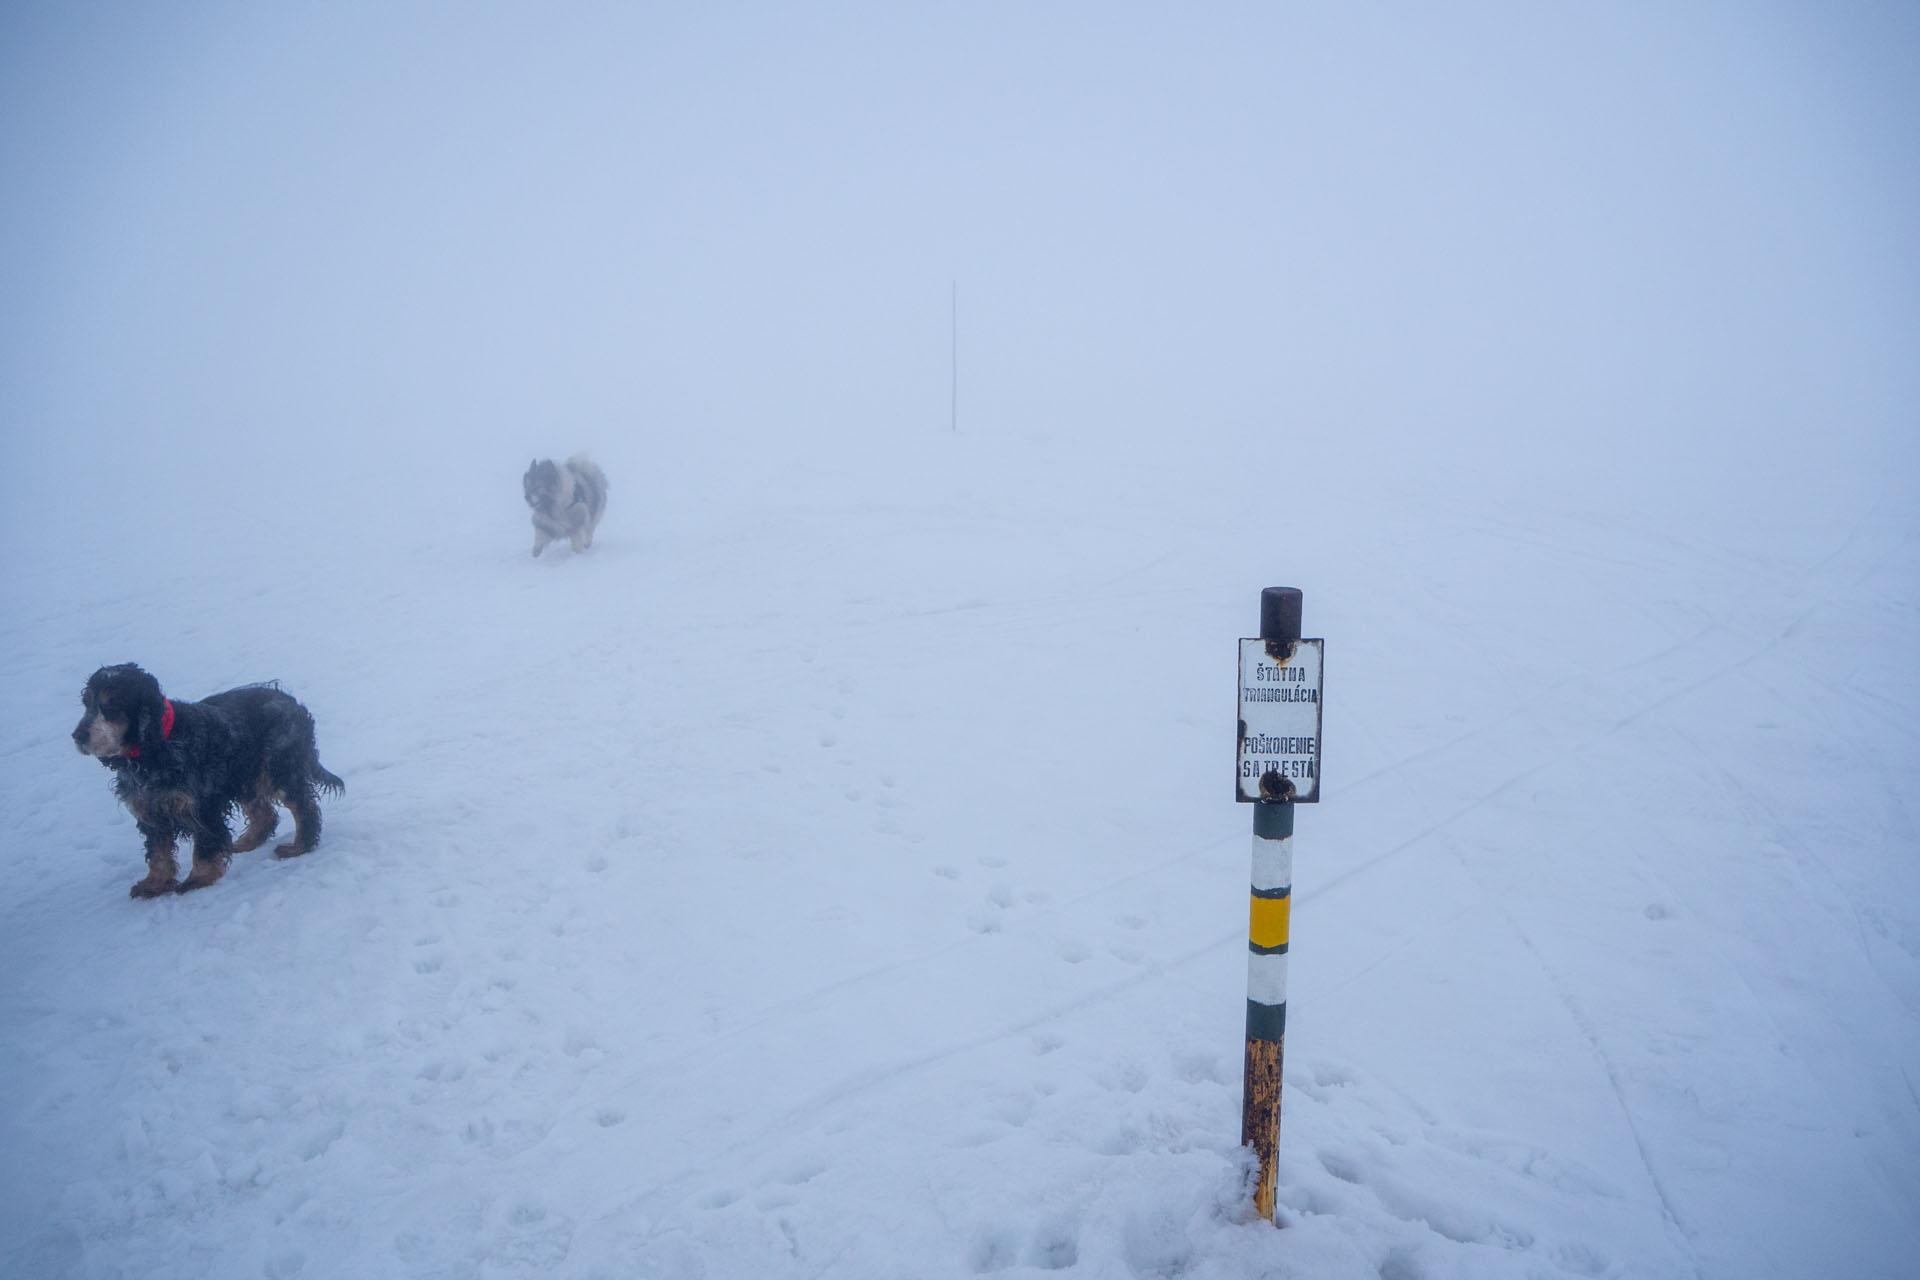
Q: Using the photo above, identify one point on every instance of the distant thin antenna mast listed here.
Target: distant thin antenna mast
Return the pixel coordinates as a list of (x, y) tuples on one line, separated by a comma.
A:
[(956, 356)]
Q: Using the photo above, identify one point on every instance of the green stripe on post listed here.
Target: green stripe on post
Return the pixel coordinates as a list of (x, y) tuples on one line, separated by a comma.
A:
[(1273, 821), (1266, 1021)]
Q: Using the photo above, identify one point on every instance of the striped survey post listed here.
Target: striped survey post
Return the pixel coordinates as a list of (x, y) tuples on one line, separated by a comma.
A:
[(1279, 767), (1270, 908)]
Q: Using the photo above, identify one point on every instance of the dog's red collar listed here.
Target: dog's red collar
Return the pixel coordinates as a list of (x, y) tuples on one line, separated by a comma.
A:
[(166, 727)]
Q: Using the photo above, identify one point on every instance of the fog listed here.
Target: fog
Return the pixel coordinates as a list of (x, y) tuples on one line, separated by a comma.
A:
[(1630, 254), (831, 871)]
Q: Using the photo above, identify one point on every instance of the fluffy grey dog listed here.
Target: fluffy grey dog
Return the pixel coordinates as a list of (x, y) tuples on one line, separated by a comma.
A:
[(567, 498)]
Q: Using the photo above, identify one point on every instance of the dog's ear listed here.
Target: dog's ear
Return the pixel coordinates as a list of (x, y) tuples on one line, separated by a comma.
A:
[(148, 710)]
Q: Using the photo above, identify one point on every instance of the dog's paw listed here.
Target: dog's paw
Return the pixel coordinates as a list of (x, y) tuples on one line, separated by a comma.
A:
[(150, 888), (287, 850), (193, 882)]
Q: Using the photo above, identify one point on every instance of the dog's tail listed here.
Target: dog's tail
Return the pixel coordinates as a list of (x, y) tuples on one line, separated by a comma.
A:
[(326, 781), (583, 461)]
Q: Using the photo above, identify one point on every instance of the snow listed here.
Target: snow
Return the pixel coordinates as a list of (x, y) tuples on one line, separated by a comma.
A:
[(834, 871)]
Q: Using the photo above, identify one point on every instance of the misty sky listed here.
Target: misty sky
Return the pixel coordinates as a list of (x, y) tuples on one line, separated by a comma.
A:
[(1600, 237)]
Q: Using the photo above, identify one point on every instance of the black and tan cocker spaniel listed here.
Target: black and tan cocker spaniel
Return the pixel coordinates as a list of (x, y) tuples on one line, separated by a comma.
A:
[(180, 767)]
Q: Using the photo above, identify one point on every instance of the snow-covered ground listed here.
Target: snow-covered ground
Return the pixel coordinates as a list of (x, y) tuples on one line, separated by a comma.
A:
[(834, 872)]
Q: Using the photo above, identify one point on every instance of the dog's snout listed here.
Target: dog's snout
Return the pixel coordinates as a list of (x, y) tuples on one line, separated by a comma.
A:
[(80, 736)]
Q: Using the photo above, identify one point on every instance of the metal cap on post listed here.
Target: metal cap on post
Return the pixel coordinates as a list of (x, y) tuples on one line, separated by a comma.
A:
[(1280, 613)]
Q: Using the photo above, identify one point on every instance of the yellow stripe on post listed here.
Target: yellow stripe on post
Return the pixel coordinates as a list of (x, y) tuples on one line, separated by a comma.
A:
[(1268, 927)]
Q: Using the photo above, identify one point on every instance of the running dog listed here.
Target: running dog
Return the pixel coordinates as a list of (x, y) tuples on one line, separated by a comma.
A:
[(567, 498), (179, 767)]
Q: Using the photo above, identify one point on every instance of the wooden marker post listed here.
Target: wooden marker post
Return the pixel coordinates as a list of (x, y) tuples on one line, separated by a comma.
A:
[(1279, 767)]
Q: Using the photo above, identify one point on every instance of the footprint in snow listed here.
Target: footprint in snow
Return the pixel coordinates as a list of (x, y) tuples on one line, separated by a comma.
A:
[(1202, 1068), (993, 1249), (1051, 1246), (1014, 1110), (977, 1137), (1054, 1246), (803, 1172)]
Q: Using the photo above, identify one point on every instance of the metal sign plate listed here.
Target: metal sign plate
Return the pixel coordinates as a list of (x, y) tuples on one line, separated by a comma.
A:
[(1280, 720)]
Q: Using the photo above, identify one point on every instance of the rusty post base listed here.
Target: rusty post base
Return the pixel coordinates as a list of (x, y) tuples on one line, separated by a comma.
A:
[(1260, 1117)]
